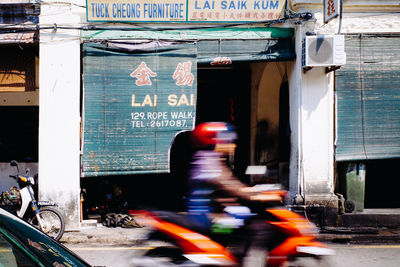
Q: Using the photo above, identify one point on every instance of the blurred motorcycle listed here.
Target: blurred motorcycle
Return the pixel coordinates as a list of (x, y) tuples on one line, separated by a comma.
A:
[(42, 214), (292, 241)]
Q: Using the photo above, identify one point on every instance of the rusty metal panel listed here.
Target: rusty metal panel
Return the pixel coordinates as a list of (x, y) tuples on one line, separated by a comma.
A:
[(136, 99)]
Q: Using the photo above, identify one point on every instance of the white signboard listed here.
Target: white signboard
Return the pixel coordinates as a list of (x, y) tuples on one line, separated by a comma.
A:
[(331, 10), (184, 11)]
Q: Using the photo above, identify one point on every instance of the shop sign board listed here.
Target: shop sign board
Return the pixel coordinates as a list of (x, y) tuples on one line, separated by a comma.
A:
[(331, 10), (184, 11), (19, 37), (135, 103)]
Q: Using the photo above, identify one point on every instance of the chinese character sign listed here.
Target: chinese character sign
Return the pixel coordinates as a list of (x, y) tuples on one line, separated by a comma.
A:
[(143, 74), (183, 74), (234, 10), (134, 106), (331, 10)]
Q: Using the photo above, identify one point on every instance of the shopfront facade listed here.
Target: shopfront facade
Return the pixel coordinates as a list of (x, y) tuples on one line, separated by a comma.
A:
[(366, 100), (19, 89), (250, 75)]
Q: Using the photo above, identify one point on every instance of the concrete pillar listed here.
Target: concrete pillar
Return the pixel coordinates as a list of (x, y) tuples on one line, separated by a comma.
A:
[(311, 98), (59, 114)]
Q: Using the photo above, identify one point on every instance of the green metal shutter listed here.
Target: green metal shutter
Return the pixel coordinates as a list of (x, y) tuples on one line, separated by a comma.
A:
[(368, 99), (136, 99)]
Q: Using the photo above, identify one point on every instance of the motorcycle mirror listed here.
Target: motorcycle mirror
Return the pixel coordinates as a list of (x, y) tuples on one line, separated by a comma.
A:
[(14, 163), (27, 170)]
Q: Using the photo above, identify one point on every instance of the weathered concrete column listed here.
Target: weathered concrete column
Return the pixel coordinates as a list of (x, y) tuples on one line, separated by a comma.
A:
[(59, 116), (311, 99)]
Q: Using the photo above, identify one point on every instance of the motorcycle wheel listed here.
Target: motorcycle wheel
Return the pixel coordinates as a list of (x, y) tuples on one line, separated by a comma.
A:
[(161, 253), (53, 220)]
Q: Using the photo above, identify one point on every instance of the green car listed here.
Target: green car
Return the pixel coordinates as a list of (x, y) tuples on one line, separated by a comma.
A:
[(21, 244)]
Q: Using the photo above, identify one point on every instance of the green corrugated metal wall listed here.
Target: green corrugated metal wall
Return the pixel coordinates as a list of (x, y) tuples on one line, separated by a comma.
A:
[(123, 134), (368, 99)]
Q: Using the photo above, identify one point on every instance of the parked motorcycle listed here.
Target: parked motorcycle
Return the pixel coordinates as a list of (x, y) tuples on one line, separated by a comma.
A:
[(42, 214), (292, 243)]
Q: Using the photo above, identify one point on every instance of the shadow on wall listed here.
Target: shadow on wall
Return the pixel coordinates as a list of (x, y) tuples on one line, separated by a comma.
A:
[(265, 144)]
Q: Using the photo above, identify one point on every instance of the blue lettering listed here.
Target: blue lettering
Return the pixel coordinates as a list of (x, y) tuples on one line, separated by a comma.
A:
[(132, 10), (265, 4), (181, 11), (145, 10), (124, 10), (99, 10), (128, 10), (195, 5), (274, 6), (116, 10), (106, 11), (160, 11), (171, 12), (166, 10), (137, 9), (243, 5), (176, 11), (150, 14), (207, 5), (232, 5), (93, 8), (152, 11), (223, 5)]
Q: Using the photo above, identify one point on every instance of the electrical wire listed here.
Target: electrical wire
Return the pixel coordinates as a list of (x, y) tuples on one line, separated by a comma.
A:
[(296, 17), (340, 17)]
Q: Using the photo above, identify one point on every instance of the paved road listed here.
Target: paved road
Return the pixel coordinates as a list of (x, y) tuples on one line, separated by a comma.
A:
[(346, 255)]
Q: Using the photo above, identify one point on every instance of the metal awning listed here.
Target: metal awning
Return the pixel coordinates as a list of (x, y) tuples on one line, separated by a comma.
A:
[(191, 34), (215, 46)]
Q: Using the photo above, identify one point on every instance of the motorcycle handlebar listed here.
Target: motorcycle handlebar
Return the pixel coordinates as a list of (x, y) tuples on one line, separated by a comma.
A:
[(23, 179)]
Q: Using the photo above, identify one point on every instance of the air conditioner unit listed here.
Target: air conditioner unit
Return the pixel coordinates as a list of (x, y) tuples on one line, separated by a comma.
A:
[(323, 50)]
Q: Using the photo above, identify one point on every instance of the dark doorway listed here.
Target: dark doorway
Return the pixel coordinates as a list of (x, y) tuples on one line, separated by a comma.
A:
[(19, 138), (381, 190), (224, 95), (380, 182)]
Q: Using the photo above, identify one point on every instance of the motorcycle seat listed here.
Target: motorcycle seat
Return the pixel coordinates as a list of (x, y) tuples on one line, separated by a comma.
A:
[(185, 220)]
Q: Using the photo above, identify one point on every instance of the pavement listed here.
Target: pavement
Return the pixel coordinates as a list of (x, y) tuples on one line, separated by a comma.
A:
[(369, 226), (93, 233)]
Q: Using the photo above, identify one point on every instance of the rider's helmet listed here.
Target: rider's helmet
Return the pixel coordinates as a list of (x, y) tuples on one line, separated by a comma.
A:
[(208, 134)]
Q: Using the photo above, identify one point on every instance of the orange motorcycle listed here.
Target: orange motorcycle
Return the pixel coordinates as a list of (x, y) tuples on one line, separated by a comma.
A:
[(292, 243)]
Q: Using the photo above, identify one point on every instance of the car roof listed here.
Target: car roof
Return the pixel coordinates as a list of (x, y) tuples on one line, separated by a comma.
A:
[(45, 249)]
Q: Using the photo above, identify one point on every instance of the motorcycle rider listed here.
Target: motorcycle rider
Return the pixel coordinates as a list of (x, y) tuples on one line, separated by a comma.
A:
[(210, 175)]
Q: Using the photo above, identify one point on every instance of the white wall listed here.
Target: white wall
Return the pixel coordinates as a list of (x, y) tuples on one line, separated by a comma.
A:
[(312, 95), (59, 116), (311, 102), (359, 16)]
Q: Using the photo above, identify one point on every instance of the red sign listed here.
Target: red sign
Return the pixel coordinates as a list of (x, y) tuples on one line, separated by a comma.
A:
[(331, 10), (183, 74), (143, 74)]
